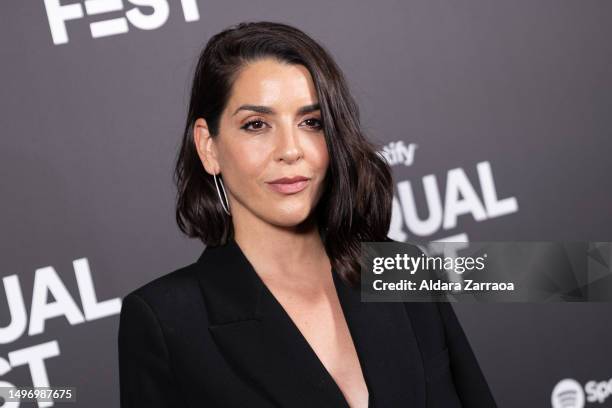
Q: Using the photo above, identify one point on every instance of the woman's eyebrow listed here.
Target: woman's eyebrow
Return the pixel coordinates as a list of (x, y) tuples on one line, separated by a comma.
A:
[(267, 110), (309, 108)]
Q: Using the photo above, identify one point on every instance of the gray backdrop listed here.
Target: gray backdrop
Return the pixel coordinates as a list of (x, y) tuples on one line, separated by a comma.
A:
[(509, 99)]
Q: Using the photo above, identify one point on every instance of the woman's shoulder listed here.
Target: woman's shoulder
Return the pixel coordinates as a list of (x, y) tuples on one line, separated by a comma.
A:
[(166, 291)]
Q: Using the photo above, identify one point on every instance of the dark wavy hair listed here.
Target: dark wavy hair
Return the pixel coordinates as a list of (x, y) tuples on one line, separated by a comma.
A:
[(357, 198)]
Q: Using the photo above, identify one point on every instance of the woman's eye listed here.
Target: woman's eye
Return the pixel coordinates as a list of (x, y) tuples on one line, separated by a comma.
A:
[(257, 125), (313, 123)]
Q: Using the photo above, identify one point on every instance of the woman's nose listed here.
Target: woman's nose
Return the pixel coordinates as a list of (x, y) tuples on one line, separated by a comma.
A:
[(288, 147)]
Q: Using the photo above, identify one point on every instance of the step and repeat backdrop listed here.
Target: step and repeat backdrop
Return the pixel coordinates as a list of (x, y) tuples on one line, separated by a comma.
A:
[(495, 117)]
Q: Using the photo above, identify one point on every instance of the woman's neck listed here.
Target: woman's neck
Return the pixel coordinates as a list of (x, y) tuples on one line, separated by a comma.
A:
[(294, 252)]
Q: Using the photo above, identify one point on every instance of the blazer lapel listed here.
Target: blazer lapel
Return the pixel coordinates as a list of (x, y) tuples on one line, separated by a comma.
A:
[(257, 336), (261, 342), (387, 348)]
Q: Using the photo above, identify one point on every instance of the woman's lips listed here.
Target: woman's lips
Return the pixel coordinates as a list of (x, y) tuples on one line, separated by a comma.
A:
[(289, 188)]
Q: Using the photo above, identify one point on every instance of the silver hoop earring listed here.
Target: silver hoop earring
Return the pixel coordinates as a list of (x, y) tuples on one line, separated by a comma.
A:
[(219, 194)]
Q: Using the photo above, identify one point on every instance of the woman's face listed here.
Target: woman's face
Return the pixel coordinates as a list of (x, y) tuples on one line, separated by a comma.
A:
[(270, 129)]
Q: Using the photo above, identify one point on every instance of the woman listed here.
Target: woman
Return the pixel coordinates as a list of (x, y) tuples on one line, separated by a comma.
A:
[(277, 179)]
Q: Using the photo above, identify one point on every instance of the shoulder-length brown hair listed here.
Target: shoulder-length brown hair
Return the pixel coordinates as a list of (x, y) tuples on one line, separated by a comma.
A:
[(356, 203)]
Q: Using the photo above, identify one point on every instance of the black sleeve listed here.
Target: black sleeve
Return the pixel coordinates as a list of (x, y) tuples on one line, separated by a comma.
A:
[(470, 382), (145, 376)]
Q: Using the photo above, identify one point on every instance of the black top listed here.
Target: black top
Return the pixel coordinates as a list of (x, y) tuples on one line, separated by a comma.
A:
[(211, 334)]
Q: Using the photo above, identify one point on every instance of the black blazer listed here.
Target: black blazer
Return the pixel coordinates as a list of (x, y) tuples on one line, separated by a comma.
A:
[(211, 334)]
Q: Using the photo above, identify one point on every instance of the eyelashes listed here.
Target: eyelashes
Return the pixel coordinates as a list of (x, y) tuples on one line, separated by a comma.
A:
[(258, 122), (252, 122), (319, 124)]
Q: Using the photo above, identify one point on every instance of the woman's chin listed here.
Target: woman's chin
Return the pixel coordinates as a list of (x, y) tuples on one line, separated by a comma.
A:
[(291, 218)]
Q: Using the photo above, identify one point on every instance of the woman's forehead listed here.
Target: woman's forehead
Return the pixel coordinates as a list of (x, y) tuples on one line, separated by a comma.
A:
[(269, 83)]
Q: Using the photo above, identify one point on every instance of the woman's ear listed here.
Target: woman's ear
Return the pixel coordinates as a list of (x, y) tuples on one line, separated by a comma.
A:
[(205, 146)]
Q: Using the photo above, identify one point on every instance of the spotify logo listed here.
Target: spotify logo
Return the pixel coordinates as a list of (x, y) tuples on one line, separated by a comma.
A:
[(567, 393)]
